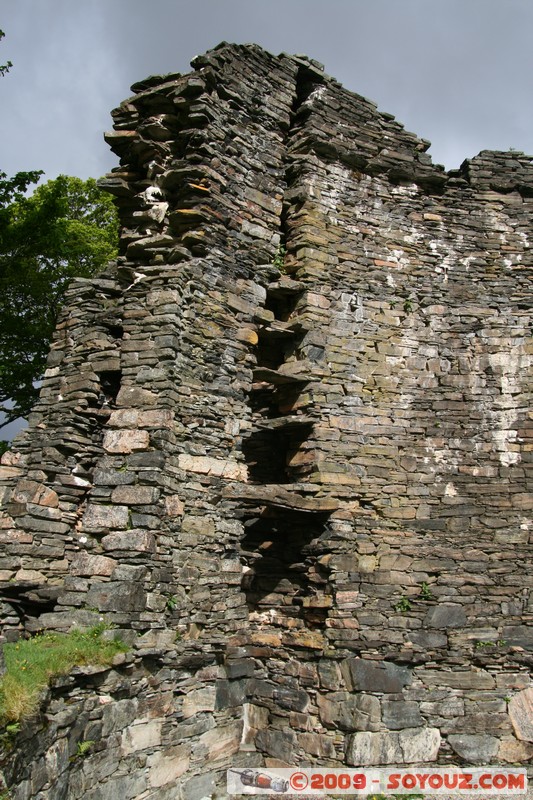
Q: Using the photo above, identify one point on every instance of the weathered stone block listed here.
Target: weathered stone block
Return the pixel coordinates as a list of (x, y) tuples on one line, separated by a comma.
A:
[(513, 751), (350, 712), (229, 693), (134, 396), (41, 525), (200, 787), (278, 744), (240, 668), (33, 492), (429, 639), (521, 714), (124, 418), (329, 674), (141, 736), (64, 620), (86, 564), (317, 745), (129, 572), (222, 741), (313, 640), (174, 507), (519, 635), (138, 541), (445, 615), (474, 748), (7, 472), (126, 441), (406, 747), (291, 698), (198, 526), (255, 718), (135, 495), (461, 679), (105, 518), (166, 766), (117, 596), (398, 714), (113, 477), (206, 465), (32, 575), (375, 676), (199, 700), (247, 335), (419, 744)]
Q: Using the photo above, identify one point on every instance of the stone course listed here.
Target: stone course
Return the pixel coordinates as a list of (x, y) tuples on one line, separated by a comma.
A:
[(284, 446)]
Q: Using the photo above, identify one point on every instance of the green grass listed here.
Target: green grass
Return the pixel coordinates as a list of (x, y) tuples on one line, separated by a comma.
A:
[(31, 663)]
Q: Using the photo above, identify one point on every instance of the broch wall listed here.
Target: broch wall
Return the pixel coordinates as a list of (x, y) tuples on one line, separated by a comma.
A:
[(284, 445)]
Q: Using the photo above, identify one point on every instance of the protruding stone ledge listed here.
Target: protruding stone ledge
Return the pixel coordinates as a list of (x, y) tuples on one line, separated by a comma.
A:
[(286, 286), (277, 496), (283, 423), (291, 372)]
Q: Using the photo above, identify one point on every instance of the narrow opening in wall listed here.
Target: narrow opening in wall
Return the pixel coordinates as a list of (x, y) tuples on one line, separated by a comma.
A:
[(270, 352), (280, 305), (272, 455), (110, 381), (29, 601), (116, 331), (280, 550), (282, 302), (307, 80), (274, 348), (271, 402), (263, 401)]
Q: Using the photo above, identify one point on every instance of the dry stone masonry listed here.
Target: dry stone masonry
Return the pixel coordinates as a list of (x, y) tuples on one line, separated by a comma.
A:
[(284, 446)]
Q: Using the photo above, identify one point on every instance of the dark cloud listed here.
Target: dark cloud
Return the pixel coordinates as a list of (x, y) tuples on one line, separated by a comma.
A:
[(455, 72)]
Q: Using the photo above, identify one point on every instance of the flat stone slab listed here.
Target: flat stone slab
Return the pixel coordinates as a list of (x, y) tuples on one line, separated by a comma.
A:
[(409, 746), (521, 714), (283, 423), (445, 615), (277, 496), (377, 676), (265, 375), (474, 748)]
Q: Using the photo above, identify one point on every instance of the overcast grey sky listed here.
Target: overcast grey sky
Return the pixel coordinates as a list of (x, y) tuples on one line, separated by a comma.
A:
[(457, 72)]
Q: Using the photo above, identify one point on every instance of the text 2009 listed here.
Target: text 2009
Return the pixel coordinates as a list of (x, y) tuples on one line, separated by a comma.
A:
[(331, 780)]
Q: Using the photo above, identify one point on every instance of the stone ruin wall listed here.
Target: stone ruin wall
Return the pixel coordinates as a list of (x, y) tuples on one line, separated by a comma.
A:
[(284, 446)]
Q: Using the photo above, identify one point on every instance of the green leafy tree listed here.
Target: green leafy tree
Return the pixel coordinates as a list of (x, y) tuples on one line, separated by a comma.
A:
[(67, 228)]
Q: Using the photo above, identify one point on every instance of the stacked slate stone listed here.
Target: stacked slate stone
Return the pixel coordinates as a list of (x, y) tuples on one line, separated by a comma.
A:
[(284, 446)]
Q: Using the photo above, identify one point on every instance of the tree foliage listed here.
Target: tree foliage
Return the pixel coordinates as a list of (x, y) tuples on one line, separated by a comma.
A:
[(67, 228), (7, 66)]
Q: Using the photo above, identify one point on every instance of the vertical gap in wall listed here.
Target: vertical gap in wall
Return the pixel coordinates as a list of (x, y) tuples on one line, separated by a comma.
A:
[(284, 583), (284, 579), (308, 79), (110, 382), (270, 452)]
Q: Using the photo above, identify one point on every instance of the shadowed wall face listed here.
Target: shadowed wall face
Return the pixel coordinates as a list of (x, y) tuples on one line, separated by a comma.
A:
[(284, 445)]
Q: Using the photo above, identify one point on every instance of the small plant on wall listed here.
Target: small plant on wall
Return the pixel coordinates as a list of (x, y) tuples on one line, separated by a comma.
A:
[(279, 259)]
